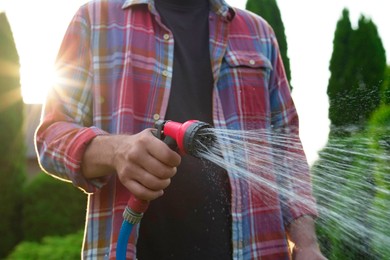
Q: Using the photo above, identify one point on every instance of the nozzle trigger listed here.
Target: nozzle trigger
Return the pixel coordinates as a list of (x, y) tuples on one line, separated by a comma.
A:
[(171, 142)]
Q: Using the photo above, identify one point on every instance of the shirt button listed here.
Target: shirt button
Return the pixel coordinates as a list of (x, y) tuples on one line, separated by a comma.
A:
[(165, 73), (156, 117), (166, 36), (252, 62)]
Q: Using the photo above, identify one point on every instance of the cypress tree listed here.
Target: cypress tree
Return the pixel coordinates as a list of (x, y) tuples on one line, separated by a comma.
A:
[(369, 65), (269, 10), (357, 70), (339, 86), (12, 150)]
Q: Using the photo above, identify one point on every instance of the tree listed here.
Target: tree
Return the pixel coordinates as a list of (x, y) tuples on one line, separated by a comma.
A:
[(269, 10), (368, 70), (357, 69), (12, 150), (339, 86)]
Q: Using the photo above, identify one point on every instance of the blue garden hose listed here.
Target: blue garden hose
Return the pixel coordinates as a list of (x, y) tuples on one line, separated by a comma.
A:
[(123, 239), (131, 216)]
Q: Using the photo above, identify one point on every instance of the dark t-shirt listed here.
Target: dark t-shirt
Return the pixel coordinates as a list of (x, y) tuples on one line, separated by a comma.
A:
[(192, 220)]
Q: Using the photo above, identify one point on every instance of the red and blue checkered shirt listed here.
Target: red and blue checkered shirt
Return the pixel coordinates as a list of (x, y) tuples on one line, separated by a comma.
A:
[(115, 71)]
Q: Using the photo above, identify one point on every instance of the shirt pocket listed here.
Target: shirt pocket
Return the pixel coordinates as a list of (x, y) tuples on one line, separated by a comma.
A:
[(247, 59), (246, 71), (245, 76)]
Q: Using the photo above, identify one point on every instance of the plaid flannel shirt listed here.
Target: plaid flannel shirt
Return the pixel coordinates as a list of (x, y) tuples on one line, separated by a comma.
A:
[(115, 70)]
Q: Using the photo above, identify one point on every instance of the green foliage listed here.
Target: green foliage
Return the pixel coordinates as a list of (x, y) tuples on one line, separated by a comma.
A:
[(12, 149), (52, 207), (343, 187), (352, 176), (351, 182), (379, 221), (269, 10), (379, 127), (52, 247), (385, 88), (354, 85)]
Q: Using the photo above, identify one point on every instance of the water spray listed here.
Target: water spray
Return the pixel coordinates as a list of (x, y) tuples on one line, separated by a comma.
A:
[(189, 138)]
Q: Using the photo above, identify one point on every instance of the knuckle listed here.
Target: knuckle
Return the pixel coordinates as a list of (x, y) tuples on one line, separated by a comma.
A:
[(144, 137), (133, 154), (122, 176)]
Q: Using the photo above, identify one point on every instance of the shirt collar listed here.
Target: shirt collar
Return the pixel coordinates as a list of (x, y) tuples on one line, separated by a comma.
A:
[(220, 7)]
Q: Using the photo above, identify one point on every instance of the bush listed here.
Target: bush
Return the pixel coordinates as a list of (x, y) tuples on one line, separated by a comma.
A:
[(52, 207), (379, 128), (345, 190), (52, 247), (12, 149)]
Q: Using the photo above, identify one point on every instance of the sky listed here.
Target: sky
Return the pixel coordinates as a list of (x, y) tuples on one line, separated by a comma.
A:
[(38, 27)]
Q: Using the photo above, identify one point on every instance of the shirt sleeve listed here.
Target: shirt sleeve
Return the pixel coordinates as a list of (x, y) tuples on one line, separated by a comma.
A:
[(66, 123), (293, 172)]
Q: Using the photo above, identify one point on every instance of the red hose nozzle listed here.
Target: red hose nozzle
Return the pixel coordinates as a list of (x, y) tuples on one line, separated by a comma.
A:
[(189, 136)]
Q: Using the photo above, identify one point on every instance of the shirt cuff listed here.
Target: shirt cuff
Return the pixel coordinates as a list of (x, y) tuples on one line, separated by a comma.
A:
[(74, 157), (297, 211)]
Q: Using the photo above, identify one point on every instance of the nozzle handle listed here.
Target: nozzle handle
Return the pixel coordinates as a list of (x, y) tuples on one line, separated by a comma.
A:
[(184, 135), (159, 133)]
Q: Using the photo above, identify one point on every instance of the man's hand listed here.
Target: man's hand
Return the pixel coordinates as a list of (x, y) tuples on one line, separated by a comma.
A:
[(307, 253), (302, 233), (144, 164)]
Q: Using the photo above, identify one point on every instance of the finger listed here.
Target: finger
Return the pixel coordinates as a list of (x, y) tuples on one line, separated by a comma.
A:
[(161, 151), (151, 181), (141, 192), (145, 160), (156, 167)]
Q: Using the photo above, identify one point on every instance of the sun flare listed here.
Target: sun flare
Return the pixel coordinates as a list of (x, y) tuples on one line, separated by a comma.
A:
[(36, 82), (38, 41)]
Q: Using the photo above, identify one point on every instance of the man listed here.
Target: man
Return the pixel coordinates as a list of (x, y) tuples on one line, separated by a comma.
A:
[(124, 64)]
